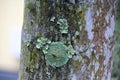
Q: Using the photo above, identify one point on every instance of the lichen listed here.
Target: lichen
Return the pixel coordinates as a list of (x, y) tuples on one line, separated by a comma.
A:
[(43, 43), (37, 3), (70, 51), (77, 33), (57, 55), (52, 19), (27, 43), (63, 25)]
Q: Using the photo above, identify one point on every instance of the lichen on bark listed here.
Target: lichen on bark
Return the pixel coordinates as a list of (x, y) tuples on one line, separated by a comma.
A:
[(88, 33)]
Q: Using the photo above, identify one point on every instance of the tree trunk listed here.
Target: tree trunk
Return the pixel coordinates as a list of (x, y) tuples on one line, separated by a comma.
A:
[(67, 40)]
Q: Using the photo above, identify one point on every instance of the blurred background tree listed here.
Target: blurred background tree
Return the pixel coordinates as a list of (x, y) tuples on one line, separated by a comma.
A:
[(116, 58)]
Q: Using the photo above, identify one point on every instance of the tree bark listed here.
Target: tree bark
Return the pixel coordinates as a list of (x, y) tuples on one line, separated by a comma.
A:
[(90, 31)]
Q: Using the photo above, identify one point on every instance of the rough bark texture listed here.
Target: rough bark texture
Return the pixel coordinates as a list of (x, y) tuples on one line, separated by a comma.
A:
[(94, 45)]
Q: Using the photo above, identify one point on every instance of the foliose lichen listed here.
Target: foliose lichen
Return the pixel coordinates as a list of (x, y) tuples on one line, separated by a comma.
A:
[(63, 25), (52, 19), (27, 43), (43, 44), (77, 33), (38, 3), (57, 54), (70, 51)]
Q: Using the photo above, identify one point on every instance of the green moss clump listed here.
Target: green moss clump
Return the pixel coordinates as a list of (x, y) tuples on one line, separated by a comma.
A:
[(57, 54)]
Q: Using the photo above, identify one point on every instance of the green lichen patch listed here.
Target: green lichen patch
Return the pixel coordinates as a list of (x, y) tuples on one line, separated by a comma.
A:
[(38, 3), (52, 19), (63, 40), (77, 33), (27, 43), (70, 51), (57, 55), (45, 48), (41, 42), (63, 25)]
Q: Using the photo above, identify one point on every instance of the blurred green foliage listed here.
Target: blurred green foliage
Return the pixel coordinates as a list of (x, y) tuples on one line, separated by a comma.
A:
[(116, 57), (118, 10)]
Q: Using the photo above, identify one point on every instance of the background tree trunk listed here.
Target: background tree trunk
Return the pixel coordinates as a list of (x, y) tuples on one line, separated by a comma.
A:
[(90, 32)]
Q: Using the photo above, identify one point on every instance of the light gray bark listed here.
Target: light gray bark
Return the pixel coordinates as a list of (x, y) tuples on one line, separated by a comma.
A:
[(94, 46)]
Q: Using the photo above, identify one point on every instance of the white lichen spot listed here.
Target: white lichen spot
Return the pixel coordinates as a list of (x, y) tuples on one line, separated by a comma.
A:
[(98, 13), (92, 45), (89, 23), (74, 77), (83, 68), (97, 56), (88, 53), (103, 78), (107, 17), (93, 62), (107, 53), (110, 30), (89, 67), (77, 57), (92, 76), (96, 66), (77, 49), (80, 28), (109, 75)]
